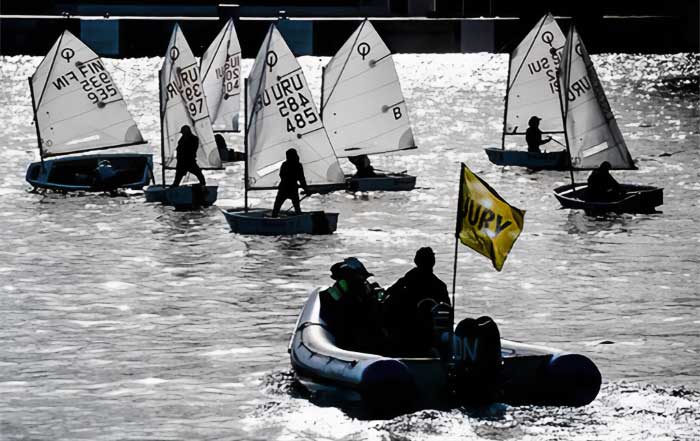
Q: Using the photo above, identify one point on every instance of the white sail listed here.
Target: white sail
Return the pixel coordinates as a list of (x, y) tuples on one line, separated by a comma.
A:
[(592, 131), (78, 106), (182, 103), (281, 114), (363, 107), (221, 71), (532, 80)]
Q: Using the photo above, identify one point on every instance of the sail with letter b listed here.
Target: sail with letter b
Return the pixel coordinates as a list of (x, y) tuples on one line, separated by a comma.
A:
[(592, 132), (221, 78), (362, 104), (182, 103), (281, 114), (77, 105)]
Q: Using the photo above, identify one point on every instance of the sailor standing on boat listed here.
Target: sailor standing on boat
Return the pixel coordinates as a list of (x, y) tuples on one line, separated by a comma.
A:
[(291, 176), (187, 157), (533, 135)]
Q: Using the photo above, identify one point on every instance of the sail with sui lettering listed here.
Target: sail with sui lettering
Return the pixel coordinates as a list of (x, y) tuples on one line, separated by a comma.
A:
[(592, 132), (182, 102), (77, 104), (532, 80), (281, 114), (362, 104), (221, 78)]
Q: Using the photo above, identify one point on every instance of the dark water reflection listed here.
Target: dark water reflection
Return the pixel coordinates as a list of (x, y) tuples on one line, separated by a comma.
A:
[(126, 320)]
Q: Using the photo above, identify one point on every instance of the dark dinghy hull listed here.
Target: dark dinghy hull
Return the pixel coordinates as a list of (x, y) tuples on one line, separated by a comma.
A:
[(76, 173), (636, 199), (387, 182), (183, 197), (533, 374), (537, 161), (259, 222)]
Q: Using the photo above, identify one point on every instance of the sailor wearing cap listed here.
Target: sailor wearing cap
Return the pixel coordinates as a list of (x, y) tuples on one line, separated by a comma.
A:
[(533, 135)]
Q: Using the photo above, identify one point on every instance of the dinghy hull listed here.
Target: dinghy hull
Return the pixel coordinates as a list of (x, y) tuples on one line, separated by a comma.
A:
[(536, 161), (260, 222), (183, 197), (636, 199), (533, 374), (388, 182), (77, 173)]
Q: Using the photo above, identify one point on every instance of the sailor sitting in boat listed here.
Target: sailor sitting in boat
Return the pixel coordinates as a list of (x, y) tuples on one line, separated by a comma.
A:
[(104, 174), (291, 176), (533, 135), (226, 154), (350, 307), (187, 158), (363, 166), (409, 305), (601, 185)]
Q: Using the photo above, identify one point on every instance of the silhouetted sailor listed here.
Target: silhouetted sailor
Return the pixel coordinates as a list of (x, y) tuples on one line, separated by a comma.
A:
[(533, 135), (409, 304), (350, 307), (105, 175), (187, 157), (291, 176), (226, 154), (363, 166), (601, 185)]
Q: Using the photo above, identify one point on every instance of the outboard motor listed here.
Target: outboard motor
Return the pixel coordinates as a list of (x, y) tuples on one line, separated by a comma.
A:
[(475, 358)]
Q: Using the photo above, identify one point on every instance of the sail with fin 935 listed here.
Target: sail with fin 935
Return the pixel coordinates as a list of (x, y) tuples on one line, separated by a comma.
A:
[(221, 79), (281, 114), (592, 131), (362, 104), (182, 103), (77, 104)]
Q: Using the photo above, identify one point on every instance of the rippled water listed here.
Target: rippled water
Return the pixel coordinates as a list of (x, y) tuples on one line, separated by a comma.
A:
[(126, 320)]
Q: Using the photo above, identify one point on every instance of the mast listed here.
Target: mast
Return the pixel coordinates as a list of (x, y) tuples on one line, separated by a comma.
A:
[(36, 123), (505, 108), (162, 139), (323, 81), (245, 143), (564, 112)]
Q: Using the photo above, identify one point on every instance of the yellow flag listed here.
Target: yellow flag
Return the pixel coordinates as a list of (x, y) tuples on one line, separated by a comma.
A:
[(485, 222)]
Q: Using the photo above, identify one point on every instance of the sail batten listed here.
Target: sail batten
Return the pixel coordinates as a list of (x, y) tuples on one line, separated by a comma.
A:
[(281, 115), (592, 131), (362, 98), (221, 70), (79, 107), (183, 104), (532, 86)]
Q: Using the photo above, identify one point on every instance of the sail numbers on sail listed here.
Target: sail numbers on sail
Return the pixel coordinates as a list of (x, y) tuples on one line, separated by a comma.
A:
[(291, 103)]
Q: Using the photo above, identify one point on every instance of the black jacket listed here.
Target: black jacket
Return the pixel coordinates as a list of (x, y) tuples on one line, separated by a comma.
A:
[(187, 150)]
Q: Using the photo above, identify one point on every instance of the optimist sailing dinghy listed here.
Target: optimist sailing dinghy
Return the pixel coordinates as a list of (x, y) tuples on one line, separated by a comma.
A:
[(221, 79), (280, 114), (593, 136), (363, 108), (532, 90), (78, 108), (182, 103), (531, 374)]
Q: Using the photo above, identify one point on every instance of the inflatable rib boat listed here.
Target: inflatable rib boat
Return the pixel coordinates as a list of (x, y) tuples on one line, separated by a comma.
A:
[(531, 374)]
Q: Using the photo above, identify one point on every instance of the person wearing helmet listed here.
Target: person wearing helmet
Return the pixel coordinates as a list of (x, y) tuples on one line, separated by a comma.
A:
[(291, 177), (187, 157), (350, 307), (105, 176), (533, 135)]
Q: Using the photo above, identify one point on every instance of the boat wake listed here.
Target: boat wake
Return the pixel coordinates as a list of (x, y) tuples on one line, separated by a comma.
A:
[(622, 410)]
